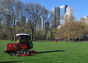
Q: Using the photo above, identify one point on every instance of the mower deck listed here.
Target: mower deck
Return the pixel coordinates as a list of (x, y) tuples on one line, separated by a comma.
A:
[(29, 54)]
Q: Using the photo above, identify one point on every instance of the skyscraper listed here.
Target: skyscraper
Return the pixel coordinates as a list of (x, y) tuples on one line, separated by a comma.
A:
[(55, 17), (69, 15), (62, 13), (42, 23)]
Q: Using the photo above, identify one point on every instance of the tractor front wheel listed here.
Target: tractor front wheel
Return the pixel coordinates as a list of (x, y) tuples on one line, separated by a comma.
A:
[(12, 53)]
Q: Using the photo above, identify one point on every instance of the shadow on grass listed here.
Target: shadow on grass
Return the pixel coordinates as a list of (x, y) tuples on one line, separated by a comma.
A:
[(51, 51), (10, 61)]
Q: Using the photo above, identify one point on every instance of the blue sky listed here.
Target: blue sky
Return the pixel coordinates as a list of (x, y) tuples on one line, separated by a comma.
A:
[(80, 7)]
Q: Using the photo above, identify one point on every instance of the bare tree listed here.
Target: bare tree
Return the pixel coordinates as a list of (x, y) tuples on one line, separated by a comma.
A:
[(12, 12), (47, 28), (35, 13)]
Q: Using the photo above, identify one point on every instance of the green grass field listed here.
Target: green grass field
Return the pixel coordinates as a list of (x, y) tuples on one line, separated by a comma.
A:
[(50, 52)]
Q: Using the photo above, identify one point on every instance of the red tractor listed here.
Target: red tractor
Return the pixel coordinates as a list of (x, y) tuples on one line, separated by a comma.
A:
[(22, 47)]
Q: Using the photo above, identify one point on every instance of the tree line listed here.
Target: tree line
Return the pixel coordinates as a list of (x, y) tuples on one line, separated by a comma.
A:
[(17, 17)]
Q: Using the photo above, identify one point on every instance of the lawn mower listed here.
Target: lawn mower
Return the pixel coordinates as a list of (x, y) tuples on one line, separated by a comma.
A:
[(22, 47)]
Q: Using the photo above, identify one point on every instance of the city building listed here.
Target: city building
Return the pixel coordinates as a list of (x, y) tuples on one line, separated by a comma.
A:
[(69, 15), (62, 13), (42, 23), (83, 20), (59, 26), (86, 19), (55, 17)]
